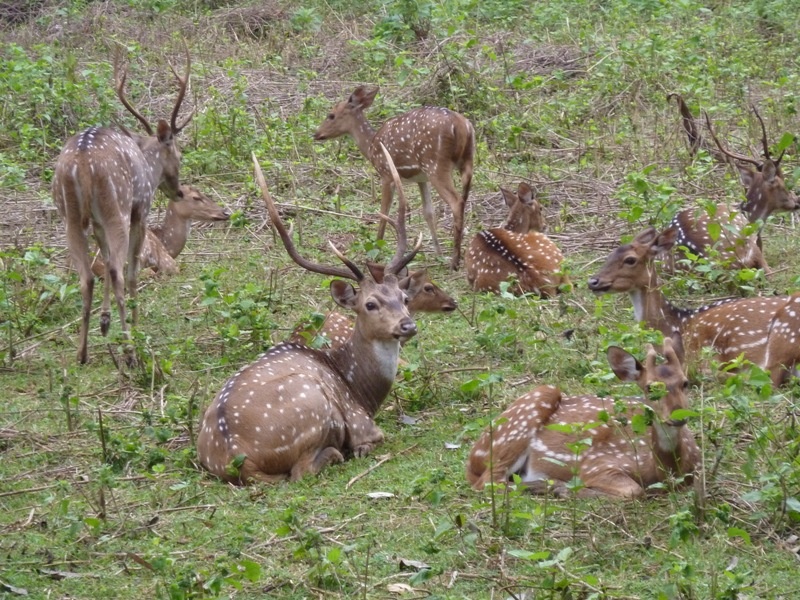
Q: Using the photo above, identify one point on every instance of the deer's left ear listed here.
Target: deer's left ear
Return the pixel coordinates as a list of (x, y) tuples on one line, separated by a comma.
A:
[(624, 364), (343, 294), (164, 132)]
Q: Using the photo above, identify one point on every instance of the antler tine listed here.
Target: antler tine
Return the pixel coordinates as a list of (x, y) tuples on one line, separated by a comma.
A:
[(183, 82), (764, 138), (350, 264), (287, 240), (398, 261), (688, 122), (120, 85), (727, 153)]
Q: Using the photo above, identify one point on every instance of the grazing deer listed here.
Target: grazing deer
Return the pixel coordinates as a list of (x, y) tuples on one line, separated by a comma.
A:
[(423, 296), (107, 179), (765, 192), (518, 249), (425, 143), (764, 330), (165, 241), (296, 410), (530, 439)]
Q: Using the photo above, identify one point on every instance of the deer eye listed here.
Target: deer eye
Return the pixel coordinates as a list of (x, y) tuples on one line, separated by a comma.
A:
[(331, 117), (428, 289), (686, 384), (371, 305), (630, 260)]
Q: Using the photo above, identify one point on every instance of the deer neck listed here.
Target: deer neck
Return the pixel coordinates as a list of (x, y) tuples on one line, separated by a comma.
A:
[(670, 451), (650, 306), (173, 231), (152, 150), (368, 367), (364, 135)]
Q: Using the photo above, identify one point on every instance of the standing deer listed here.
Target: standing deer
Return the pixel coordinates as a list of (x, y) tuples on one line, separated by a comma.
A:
[(518, 249), (423, 296), (425, 143), (107, 179), (616, 461), (296, 410), (765, 193), (165, 241), (764, 330)]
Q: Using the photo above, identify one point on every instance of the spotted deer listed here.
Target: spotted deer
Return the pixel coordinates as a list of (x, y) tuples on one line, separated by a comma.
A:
[(425, 143), (738, 243), (516, 250), (536, 437), (423, 296), (296, 410), (764, 329), (165, 241), (106, 179)]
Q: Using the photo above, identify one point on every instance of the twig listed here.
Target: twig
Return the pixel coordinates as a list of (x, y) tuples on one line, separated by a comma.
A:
[(376, 465)]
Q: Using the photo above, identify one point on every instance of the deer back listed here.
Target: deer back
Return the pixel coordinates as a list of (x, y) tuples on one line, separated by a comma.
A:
[(542, 436), (733, 247)]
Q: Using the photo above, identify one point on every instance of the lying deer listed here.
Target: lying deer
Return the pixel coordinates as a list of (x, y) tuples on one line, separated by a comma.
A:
[(425, 143), (107, 179), (766, 193), (165, 241), (530, 438), (423, 296), (296, 410), (518, 249), (765, 330)]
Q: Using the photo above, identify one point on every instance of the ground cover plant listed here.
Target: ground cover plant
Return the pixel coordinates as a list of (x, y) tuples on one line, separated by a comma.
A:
[(101, 495)]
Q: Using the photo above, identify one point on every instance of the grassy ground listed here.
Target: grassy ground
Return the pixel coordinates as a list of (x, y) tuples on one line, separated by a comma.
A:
[(100, 493)]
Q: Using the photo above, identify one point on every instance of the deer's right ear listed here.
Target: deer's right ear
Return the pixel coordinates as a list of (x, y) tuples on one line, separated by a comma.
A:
[(343, 294), (164, 132), (525, 193), (746, 175), (509, 197), (361, 98), (624, 364)]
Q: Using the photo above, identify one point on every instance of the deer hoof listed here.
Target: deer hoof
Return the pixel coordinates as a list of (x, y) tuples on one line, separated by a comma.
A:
[(105, 322)]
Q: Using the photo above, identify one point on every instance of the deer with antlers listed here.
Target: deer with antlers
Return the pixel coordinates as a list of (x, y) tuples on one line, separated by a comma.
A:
[(539, 436), (296, 410), (165, 241), (423, 296), (106, 179), (425, 143), (516, 250), (766, 192), (765, 330)]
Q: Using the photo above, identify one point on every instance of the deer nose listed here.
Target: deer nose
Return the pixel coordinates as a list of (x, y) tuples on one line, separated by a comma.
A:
[(593, 282), (408, 328)]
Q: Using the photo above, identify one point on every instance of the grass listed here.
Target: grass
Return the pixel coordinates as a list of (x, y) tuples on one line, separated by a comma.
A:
[(100, 493)]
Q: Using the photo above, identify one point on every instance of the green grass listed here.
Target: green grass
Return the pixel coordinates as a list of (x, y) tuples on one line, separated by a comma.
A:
[(100, 494)]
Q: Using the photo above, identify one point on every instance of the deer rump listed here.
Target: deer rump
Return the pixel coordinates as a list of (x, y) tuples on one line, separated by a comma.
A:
[(496, 255)]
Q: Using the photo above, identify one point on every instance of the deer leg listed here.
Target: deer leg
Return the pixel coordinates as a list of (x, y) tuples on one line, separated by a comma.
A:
[(444, 185), (79, 252), (113, 280), (387, 191), (134, 251), (619, 485), (429, 213), (313, 462)]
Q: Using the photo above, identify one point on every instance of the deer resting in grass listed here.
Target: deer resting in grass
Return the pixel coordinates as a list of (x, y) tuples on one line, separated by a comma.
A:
[(765, 330), (765, 193), (296, 410), (423, 296), (164, 242), (530, 440), (105, 179), (425, 143), (518, 249)]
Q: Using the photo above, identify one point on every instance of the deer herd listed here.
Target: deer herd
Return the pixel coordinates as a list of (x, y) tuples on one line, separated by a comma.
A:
[(311, 401)]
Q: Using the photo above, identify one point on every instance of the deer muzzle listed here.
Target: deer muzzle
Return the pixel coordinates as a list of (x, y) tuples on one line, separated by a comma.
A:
[(406, 329)]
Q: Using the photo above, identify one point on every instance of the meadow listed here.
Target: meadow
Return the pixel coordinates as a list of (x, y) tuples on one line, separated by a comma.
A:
[(101, 495)]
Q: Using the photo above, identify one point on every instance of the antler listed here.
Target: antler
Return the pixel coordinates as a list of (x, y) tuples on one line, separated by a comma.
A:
[(183, 83), (689, 124), (764, 138), (399, 261), (120, 86), (353, 272), (740, 157)]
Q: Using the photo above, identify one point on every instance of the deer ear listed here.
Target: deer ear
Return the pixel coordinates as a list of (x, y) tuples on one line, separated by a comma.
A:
[(769, 171), (646, 237), (525, 193), (746, 175), (664, 241), (361, 98), (624, 364), (343, 294), (509, 197), (164, 132)]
